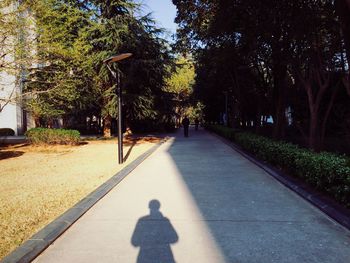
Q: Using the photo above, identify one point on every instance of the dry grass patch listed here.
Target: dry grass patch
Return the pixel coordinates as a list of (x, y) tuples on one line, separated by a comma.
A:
[(38, 183)]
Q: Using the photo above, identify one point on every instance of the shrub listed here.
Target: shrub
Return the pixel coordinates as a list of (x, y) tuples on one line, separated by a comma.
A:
[(222, 130), (6, 132), (52, 136), (327, 172)]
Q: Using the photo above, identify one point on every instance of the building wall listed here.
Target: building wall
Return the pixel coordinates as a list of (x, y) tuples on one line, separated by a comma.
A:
[(13, 115), (10, 115)]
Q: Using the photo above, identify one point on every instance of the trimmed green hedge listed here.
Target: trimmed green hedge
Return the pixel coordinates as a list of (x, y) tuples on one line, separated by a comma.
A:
[(52, 136), (224, 131), (325, 171), (6, 132)]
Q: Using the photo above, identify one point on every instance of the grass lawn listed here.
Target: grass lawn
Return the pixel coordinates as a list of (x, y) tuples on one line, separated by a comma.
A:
[(38, 183)]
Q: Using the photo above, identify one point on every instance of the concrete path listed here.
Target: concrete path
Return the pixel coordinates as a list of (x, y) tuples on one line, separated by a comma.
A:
[(197, 200)]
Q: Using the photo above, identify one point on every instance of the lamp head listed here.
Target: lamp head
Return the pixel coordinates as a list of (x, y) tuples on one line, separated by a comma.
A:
[(117, 58)]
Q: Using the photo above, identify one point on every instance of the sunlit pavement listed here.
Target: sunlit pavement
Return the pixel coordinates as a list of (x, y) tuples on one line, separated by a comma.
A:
[(196, 200)]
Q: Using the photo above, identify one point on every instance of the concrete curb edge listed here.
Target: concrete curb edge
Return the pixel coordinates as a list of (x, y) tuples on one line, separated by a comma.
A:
[(328, 206), (37, 243)]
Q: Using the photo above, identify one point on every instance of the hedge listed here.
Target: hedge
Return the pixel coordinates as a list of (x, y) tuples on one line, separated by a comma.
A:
[(6, 132), (52, 136), (325, 171)]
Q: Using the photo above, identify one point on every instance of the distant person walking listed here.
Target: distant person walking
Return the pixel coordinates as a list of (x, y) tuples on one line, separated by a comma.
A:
[(186, 124), (196, 123)]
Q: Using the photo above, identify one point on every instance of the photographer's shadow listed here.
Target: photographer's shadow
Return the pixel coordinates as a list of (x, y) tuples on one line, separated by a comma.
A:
[(154, 234)]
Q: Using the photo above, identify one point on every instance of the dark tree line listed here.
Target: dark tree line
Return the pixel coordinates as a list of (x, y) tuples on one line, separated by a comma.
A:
[(285, 59)]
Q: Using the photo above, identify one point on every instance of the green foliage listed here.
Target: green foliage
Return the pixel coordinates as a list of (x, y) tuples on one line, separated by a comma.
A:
[(181, 79), (325, 171), (73, 40), (179, 84), (6, 132), (223, 131), (63, 82), (117, 31), (195, 111), (53, 136)]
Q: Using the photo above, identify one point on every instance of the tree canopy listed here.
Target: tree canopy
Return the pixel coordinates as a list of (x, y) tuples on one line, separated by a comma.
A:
[(285, 59)]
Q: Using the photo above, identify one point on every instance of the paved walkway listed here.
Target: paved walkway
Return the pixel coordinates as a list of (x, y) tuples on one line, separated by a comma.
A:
[(197, 200)]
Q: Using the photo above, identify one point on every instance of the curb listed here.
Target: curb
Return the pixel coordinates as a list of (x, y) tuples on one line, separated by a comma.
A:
[(36, 244), (12, 139), (328, 206)]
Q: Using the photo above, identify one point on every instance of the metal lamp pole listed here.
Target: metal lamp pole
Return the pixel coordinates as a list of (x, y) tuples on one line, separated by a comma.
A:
[(226, 107), (119, 95)]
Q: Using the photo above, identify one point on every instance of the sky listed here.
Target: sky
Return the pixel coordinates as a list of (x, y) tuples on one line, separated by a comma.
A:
[(163, 11)]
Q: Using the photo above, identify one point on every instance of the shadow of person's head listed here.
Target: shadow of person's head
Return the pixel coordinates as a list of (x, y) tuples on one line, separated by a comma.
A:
[(154, 206)]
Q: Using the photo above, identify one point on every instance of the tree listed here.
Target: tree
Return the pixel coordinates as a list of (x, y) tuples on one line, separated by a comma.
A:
[(73, 40), (180, 84), (261, 56), (57, 78), (118, 31), (316, 65)]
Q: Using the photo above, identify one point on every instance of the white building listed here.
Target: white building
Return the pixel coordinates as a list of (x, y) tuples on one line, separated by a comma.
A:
[(12, 114)]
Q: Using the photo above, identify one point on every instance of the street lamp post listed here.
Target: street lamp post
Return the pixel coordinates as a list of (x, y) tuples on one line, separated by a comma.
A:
[(119, 95)]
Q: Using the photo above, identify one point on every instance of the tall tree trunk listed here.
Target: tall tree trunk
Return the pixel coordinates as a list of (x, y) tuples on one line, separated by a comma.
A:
[(346, 81), (279, 97), (314, 142), (322, 80), (99, 124), (258, 119), (279, 71), (328, 111), (237, 113), (36, 121), (107, 123)]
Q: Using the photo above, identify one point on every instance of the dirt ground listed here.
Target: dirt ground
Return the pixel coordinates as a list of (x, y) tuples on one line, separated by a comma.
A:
[(38, 183)]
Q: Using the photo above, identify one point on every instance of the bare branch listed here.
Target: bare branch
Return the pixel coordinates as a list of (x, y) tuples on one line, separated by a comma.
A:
[(8, 100), (12, 99)]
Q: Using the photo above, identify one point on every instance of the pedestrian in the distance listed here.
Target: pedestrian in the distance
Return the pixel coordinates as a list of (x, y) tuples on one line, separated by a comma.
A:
[(186, 124)]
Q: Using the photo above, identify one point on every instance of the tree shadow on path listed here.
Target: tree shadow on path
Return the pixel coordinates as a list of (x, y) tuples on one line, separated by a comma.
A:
[(154, 234), (10, 154)]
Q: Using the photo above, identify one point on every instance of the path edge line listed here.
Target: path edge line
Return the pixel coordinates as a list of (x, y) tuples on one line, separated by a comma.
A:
[(41, 240)]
